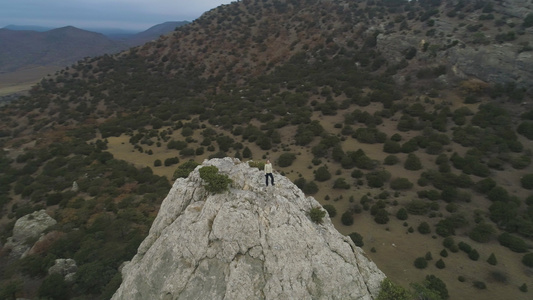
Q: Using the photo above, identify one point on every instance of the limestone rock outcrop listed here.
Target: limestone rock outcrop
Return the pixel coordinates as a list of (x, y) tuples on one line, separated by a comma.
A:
[(66, 267), (27, 230), (251, 242)]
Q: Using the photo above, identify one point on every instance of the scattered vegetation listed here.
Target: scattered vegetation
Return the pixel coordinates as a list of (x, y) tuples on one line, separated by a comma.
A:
[(215, 182), (249, 99)]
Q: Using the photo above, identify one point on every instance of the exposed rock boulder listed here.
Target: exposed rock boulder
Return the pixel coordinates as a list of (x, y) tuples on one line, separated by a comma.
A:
[(251, 242), (66, 267), (27, 230)]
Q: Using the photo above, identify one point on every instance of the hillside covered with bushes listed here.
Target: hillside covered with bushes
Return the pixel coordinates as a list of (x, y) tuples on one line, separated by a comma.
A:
[(399, 141)]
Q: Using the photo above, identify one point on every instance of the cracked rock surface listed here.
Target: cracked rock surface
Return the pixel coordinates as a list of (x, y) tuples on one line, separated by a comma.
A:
[(251, 242)]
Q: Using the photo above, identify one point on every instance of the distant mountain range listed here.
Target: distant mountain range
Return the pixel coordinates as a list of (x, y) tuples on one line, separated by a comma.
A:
[(31, 46)]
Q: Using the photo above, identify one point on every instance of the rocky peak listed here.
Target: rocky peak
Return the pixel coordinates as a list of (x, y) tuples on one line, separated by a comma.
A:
[(251, 242)]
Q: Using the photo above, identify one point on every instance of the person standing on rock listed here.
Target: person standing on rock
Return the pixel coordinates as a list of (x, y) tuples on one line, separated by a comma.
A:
[(268, 172)]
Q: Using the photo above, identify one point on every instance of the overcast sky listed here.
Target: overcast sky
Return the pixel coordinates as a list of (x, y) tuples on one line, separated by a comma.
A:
[(86, 14)]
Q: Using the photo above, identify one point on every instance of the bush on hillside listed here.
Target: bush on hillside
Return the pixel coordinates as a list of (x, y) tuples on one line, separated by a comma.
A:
[(421, 263), (402, 214), (332, 211), (215, 183), (390, 291), (185, 169), (286, 159), (473, 255), (417, 207), (317, 214), (401, 184), (357, 239), (340, 183), (382, 216), (424, 228), (464, 247), (171, 161), (527, 181), (412, 162), (391, 160), (322, 174), (492, 259), (377, 179), (310, 188), (347, 218), (527, 260), (440, 264), (482, 233), (514, 243), (391, 147)]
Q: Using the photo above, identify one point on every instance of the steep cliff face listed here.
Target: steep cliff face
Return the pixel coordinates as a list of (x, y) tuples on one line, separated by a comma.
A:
[(251, 242)]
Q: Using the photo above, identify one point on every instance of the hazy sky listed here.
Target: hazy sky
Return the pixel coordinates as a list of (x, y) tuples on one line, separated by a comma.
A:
[(123, 14)]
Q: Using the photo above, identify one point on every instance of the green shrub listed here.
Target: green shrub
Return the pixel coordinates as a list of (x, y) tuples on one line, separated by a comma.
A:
[(435, 284), (310, 188), (440, 264), (357, 173), (412, 162), (178, 145), (187, 151), (340, 183), (377, 179), (424, 228), (444, 253), (382, 216), (286, 159), (492, 259), (401, 184), (246, 153), (357, 239), (421, 263), (54, 287), (322, 174), (392, 291), (465, 247), (157, 163), (317, 214), (473, 255), (482, 233), (185, 169), (528, 20), (391, 147), (391, 160), (485, 185), (347, 218), (527, 260), (402, 214), (215, 183), (257, 164), (417, 207), (514, 243), (332, 211), (171, 161), (527, 181)]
